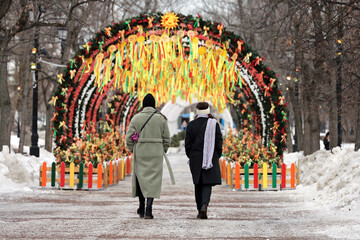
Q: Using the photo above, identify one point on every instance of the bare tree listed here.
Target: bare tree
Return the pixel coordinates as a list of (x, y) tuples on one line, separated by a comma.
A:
[(9, 27), (297, 38)]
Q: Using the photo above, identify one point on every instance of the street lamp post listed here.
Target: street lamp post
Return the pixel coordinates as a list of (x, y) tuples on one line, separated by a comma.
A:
[(34, 148), (62, 32), (339, 90)]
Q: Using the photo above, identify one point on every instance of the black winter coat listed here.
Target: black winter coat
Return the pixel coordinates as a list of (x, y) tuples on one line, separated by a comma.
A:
[(194, 144), (327, 144)]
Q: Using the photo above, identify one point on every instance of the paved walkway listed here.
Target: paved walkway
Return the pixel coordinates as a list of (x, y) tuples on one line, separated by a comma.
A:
[(110, 214)]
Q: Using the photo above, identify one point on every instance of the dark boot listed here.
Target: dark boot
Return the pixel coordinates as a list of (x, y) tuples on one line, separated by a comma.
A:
[(141, 209), (203, 211), (148, 213)]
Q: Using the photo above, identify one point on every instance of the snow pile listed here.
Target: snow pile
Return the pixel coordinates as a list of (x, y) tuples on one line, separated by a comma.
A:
[(19, 172), (331, 179), (293, 158)]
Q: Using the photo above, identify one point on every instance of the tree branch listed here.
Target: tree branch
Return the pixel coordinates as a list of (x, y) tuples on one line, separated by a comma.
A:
[(351, 4), (5, 5)]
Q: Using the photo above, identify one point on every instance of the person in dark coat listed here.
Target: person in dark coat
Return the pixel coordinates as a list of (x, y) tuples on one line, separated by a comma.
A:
[(203, 145), (327, 141)]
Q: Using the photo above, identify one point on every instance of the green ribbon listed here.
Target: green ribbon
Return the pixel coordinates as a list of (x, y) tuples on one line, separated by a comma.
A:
[(196, 24), (72, 63), (100, 44), (128, 24), (239, 78)]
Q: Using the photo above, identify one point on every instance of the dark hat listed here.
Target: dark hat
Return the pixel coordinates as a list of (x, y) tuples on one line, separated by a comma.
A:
[(149, 101), (202, 105)]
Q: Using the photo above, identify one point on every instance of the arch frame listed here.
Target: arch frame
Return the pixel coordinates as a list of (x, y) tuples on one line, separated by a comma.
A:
[(257, 82)]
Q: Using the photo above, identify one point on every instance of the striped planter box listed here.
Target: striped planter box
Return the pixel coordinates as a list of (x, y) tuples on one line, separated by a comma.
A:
[(81, 177), (256, 178)]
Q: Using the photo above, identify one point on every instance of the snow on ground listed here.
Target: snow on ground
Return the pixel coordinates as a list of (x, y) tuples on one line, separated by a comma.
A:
[(19, 172), (330, 178)]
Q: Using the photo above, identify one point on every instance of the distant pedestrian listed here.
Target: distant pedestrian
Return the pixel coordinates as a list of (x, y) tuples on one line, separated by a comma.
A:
[(183, 125), (152, 139), (203, 145), (327, 141)]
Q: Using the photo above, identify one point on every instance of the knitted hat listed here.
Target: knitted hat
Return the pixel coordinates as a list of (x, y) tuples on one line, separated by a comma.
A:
[(149, 101), (202, 108)]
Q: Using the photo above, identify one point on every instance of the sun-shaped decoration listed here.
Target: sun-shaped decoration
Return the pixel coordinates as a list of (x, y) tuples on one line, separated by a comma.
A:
[(169, 20)]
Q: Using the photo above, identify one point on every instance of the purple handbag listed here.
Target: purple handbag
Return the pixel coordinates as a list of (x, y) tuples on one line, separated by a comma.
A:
[(135, 136)]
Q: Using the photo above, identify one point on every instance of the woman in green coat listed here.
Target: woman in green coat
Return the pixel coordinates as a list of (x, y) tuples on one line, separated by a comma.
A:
[(148, 152)]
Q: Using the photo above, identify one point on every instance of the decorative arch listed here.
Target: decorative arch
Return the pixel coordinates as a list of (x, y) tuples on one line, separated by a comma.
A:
[(216, 65)]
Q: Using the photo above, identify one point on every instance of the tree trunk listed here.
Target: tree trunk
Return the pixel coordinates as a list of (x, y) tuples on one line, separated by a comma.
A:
[(307, 120), (289, 139), (357, 138), (48, 131), (298, 125), (72, 35), (311, 127), (296, 106), (315, 127), (333, 123), (311, 115), (25, 112), (6, 115), (331, 79), (295, 95), (333, 114), (315, 81)]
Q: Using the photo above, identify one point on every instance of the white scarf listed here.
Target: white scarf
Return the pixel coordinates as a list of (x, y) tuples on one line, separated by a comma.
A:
[(209, 142)]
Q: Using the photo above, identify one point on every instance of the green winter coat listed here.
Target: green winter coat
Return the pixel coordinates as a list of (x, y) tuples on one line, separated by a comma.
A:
[(148, 152)]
